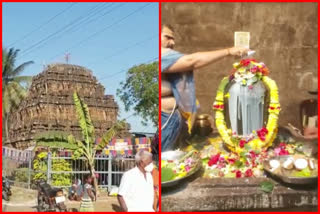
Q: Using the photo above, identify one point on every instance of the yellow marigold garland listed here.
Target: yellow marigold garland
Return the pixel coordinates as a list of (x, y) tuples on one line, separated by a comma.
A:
[(274, 110)]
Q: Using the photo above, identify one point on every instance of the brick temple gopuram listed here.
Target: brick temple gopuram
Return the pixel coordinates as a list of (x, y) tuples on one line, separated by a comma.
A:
[(49, 105)]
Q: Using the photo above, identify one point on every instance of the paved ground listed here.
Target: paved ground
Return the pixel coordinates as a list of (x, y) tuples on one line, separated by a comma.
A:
[(24, 200)]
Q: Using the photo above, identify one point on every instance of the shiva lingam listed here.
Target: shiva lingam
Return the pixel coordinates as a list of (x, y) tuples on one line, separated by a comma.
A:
[(247, 107)]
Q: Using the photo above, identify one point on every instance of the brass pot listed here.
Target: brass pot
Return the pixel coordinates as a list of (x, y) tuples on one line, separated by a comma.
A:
[(202, 126)]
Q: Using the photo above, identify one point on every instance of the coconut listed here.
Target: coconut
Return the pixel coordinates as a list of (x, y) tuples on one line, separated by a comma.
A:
[(288, 164), (311, 164), (301, 163), (274, 164)]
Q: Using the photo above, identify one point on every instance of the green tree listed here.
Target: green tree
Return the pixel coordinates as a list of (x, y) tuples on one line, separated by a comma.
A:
[(140, 91), (14, 86), (86, 146)]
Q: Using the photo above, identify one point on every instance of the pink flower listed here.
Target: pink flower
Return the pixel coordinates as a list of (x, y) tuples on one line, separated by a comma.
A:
[(254, 69), (187, 168), (188, 161), (214, 159), (277, 151), (248, 173), (250, 87), (221, 165)]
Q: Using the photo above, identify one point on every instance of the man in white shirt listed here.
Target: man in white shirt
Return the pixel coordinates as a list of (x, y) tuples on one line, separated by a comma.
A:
[(136, 191)]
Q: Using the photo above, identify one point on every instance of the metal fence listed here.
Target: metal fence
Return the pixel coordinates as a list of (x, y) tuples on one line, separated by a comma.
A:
[(108, 170)]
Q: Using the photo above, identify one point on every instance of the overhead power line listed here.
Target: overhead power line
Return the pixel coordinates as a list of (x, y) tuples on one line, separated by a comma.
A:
[(125, 70), (60, 30), (41, 26), (81, 42), (139, 43)]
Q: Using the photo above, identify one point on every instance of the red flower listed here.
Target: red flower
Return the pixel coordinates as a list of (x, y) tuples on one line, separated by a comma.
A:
[(214, 159), (252, 154), (272, 108), (282, 145), (246, 62), (248, 173), (262, 133), (218, 106), (231, 160), (241, 143), (283, 152), (238, 174)]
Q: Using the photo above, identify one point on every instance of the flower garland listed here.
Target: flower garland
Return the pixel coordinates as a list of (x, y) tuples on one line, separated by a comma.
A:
[(248, 72)]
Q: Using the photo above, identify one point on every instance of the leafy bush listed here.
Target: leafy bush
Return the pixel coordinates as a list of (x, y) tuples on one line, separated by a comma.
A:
[(21, 175)]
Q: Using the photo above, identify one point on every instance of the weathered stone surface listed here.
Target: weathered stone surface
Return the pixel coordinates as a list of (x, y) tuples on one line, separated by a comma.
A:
[(49, 105), (227, 194), (284, 36)]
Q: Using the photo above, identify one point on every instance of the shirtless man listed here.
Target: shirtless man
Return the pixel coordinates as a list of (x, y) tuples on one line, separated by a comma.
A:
[(177, 93)]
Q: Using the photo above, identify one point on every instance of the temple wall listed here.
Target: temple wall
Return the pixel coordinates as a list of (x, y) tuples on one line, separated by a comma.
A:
[(284, 36)]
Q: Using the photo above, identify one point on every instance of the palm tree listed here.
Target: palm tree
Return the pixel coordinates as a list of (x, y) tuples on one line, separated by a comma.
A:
[(14, 87), (86, 146)]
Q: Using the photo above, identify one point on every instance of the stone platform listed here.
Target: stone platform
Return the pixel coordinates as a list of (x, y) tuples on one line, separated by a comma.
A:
[(237, 194)]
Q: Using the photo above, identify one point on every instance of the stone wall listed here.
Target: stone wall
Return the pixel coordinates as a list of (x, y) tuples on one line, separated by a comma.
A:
[(284, 36)]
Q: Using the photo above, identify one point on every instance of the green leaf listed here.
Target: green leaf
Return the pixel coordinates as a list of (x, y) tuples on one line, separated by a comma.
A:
[(238, 164), (166, 174), (243, 154), (84, 119), (303, 173), (266, 186), (247, 147), (205, 161)]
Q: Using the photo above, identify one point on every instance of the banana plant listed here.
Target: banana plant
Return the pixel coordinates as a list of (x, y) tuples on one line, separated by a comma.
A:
[(84, 147)]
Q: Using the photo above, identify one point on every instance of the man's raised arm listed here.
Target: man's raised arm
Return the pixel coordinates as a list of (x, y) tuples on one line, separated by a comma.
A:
[(199, 59)]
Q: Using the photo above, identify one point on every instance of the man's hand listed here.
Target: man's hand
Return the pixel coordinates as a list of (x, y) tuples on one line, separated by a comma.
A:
[(310, 132), (238, 51)]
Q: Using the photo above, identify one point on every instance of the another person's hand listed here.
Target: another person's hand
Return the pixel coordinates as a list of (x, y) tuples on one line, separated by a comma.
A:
[(238, 51), (310, 132)]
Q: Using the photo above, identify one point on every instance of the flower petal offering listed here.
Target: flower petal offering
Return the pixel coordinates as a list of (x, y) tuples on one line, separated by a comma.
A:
[(177, 164)]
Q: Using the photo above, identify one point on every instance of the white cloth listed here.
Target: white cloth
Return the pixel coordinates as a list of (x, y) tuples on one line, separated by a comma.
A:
[(137, 191)]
